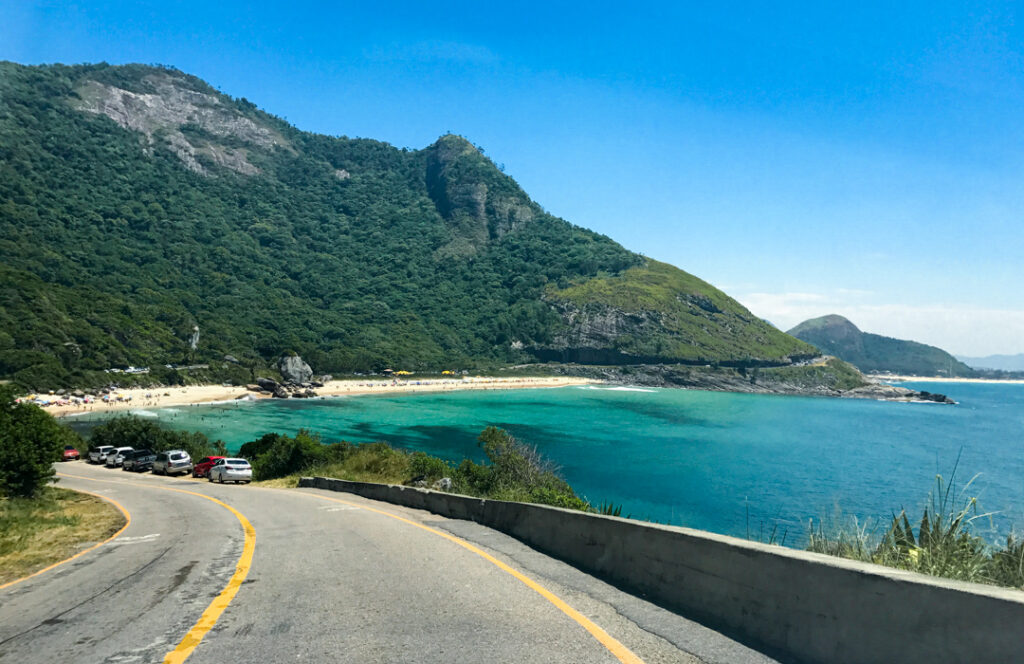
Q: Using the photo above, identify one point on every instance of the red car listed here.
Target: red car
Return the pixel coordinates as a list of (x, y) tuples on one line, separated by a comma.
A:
[(70, 454), (202, 467)]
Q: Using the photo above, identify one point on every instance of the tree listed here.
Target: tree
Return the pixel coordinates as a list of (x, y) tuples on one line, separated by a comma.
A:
[(139, 433), (30, 442)]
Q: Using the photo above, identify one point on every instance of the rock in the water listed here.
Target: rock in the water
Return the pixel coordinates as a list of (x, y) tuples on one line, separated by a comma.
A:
[(268, 384), (294, 370)]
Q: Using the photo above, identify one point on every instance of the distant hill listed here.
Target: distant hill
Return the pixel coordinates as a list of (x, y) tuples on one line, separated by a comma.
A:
[(870, 353), (997, 362), (147, 219)]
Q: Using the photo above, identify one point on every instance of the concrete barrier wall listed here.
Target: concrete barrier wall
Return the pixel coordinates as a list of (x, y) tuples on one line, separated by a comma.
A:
[(809, 607)]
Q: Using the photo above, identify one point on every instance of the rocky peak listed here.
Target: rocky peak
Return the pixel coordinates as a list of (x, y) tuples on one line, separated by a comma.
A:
[(479, 202), (191, 123)]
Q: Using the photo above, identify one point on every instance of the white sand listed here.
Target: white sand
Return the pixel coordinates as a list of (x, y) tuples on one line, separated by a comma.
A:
[(942, 379), (166, 397)]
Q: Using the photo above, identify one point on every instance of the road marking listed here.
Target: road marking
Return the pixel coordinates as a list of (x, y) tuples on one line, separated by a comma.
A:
[(222, 600), (127, 522), (137, 540), (621, 652)]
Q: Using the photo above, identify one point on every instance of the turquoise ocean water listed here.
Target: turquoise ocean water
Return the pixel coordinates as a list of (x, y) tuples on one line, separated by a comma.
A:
[(735, 464)]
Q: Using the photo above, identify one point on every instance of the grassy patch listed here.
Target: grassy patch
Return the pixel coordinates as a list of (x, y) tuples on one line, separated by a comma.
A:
[(38, 532)]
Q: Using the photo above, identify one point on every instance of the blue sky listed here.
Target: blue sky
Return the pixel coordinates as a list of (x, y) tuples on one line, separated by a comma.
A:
[(861, 159)]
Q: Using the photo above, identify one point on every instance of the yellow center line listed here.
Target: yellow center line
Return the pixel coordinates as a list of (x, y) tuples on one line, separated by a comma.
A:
[(621, 652), (222, 600), (127, 522)]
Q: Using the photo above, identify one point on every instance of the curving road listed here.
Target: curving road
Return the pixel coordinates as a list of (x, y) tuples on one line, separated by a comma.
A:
[(224, 574)]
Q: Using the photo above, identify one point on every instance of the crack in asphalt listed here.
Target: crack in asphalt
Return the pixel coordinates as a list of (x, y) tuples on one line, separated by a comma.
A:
[(56, 619)]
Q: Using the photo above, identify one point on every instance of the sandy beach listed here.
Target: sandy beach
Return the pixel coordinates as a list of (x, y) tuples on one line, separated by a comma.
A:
[(942, 379), (166, 397)]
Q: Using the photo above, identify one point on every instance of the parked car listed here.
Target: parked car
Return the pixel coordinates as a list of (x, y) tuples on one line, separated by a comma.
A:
[(138, 461), (172, 462), (99, 454), (202, 467), (70, 454), (231, 470), (115, 457)]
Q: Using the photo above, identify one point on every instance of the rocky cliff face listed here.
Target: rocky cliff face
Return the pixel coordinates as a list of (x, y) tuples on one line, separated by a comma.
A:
[(457, 177), (657, 313), (190, 123), (595, 334)]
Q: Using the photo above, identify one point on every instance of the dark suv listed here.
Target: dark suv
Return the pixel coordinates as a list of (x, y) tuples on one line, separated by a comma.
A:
[(138, 461)]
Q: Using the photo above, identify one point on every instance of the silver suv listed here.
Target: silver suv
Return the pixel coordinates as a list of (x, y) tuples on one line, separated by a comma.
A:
[(115, 457), (172, 462), (99, 454)]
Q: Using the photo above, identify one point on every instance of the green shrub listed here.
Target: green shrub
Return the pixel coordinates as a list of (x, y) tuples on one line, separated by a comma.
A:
[(31, 440), (431, 467), (287, 456)]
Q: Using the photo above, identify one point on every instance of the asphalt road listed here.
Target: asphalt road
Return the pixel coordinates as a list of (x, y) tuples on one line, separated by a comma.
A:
[(322, 576)]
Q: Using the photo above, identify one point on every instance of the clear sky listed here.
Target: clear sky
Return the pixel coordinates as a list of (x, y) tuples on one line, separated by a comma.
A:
[(860, 158)]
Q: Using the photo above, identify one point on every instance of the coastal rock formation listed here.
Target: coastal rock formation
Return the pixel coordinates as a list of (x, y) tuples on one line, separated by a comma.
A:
[(268, 384), (294, 370)]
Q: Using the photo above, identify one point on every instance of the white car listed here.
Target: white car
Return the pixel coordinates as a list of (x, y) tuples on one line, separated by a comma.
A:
[(115, 457), (231, 470), (99, 455)]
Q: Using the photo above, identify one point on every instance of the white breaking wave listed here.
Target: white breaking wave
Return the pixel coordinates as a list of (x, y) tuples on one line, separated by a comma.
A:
[(617, 388), (143, 413)]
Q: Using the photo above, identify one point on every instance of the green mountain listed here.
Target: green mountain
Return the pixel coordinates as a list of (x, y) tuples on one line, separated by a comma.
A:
[(868, 352), (148, 219)]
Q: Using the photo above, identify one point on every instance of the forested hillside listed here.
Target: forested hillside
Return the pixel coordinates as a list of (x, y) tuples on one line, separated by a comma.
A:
[(138, 204), (868, 352)]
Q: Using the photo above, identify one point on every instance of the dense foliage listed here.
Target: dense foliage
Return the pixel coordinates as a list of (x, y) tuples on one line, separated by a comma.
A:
[(31, 440), (138, 203), (142, 434), (868, 352), (515, 471)]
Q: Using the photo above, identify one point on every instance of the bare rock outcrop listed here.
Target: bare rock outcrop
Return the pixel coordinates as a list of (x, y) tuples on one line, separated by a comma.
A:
[(190, 123), (294, 370)]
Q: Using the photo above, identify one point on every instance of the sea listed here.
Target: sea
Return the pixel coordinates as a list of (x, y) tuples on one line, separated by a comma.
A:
[(765, 467)]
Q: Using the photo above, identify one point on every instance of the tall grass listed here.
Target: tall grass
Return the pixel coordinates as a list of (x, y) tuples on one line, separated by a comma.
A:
[(942, 543)]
